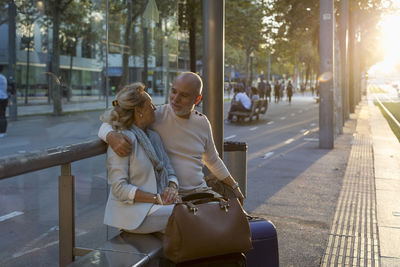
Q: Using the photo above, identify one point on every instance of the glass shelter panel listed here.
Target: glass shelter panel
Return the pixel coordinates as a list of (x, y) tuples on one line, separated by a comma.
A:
[(62, 56), (57, 54)]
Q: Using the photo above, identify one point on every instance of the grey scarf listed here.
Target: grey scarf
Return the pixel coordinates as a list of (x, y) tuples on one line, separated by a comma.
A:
[(153, 152)]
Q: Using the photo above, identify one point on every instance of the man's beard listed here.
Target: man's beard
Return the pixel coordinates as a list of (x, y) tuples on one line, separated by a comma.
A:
[(182, 111)]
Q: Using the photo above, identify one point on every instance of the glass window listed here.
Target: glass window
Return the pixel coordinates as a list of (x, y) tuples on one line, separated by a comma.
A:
[(147, 48), (60, 60)]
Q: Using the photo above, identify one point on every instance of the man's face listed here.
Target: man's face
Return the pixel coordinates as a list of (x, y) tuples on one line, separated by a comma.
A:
[(182, 98)]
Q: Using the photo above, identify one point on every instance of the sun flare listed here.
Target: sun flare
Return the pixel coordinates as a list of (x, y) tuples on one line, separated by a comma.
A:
[(390, 29), (389, 26)]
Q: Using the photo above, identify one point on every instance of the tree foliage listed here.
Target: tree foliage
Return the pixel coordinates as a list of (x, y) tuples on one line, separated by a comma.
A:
[(77, 26), (244, 28), (293, 30), (27, 14), (3, 11), (55, 10)]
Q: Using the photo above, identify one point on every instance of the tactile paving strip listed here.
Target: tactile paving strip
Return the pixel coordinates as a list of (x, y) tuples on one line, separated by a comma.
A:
[(353, 240)]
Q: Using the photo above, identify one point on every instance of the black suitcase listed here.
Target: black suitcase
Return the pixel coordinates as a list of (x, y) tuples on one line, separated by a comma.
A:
[(265, 243), (227, 260)]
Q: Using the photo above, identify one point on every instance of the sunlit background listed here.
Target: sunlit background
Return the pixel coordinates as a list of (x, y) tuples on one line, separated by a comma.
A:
[(389, 27)]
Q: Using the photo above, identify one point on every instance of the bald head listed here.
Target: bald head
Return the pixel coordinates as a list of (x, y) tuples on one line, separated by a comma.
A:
[(191, 80), (185, 93)]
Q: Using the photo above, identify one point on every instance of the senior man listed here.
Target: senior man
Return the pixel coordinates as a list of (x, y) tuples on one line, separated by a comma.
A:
[(187, 137)]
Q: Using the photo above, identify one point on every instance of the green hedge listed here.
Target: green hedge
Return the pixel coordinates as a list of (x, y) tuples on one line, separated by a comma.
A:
[(394, 108)]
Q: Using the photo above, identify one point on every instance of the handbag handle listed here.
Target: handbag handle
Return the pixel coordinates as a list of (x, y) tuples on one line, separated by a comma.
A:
[(224, 204)]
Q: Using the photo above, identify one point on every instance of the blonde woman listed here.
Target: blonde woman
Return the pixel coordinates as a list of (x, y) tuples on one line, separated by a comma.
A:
[(143, 185)]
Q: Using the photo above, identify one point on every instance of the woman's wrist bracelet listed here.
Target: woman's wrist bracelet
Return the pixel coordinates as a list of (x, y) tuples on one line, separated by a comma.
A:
[(157, 199)]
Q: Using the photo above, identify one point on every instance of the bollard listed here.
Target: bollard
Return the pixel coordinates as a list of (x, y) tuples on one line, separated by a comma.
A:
[(235, 159)]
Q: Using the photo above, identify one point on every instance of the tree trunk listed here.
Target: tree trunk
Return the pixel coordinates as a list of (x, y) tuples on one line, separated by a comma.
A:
[(192, 37), (27, 71), (55, 84), (126, 48), (247, 66), (145, 56), (12, 108), (308, 70), (71, 59), (166, 64)]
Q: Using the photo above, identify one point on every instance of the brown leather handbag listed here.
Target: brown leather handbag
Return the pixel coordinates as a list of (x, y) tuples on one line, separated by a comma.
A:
[(205, 228)]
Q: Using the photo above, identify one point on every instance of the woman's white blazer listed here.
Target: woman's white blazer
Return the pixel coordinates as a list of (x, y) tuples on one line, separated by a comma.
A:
[(125, 173)]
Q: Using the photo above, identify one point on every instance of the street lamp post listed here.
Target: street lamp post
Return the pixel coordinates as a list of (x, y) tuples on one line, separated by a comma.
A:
[(107, 49), (326, 133), (213, 68), (251, 68), (150, 15), (166, 65), (12, 111)]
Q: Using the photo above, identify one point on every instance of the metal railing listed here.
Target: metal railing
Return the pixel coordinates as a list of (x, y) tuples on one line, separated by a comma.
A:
[(61, 156)]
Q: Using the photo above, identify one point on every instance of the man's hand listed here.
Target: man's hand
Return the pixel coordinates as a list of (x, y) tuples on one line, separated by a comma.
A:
[(239, 195), (120, 143), (235, 186), (169, 195)]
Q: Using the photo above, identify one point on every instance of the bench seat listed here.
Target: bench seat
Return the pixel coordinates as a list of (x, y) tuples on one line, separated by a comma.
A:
[(257, 107), (125, 250)]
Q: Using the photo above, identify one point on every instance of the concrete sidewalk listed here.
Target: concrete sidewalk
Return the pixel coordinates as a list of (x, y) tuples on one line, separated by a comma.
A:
[(366, 226), (41, 107), (386, 150)]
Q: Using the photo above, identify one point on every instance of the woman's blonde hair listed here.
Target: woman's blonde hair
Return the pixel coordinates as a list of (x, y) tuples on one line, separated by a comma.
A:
[(121, 116)]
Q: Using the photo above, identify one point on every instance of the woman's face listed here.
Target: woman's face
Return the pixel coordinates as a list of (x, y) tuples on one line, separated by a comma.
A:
[(147, 110)]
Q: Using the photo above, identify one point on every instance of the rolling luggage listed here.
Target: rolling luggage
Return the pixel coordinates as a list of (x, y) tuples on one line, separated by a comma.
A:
[(265, 243)]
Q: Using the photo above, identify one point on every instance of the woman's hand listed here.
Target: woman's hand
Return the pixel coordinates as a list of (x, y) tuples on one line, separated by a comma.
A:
[(169, 195)]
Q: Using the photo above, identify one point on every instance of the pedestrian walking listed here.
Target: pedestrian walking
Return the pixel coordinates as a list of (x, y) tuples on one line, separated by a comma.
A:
[(289, 92), (3, 103), (277, 92), (282, 89), (302, 88), (261, 88), (268, 91)]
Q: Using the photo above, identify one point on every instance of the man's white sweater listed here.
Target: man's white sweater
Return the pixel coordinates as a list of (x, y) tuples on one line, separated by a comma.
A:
[(189, 144)]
